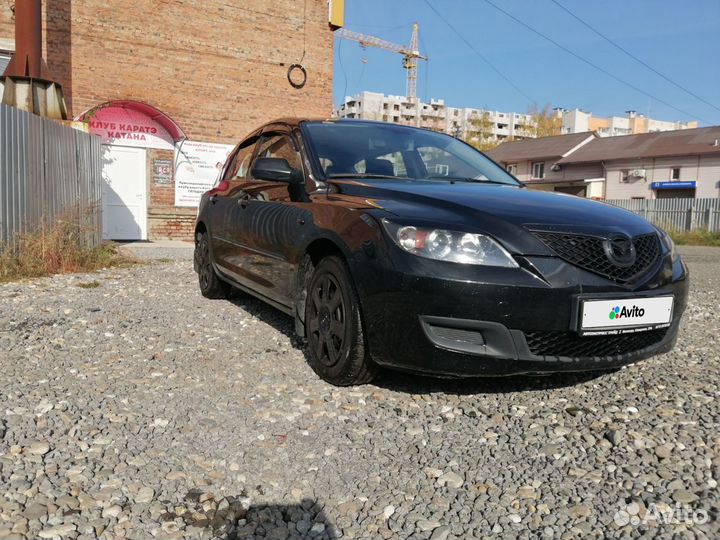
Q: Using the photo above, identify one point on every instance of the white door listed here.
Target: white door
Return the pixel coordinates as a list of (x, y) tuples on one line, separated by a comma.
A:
[(124, 193)]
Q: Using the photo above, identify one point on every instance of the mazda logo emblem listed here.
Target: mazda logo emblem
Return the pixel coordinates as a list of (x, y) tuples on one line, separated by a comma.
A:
[(620, 250)]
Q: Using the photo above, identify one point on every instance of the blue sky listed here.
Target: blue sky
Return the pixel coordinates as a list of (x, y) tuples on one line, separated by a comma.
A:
[(678, 39)]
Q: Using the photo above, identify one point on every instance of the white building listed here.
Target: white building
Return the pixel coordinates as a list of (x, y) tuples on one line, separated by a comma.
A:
[(460, 122), (579, 121)]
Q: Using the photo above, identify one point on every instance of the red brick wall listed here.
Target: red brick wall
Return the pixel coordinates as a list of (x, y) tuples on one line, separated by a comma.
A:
[(160, 194), (218, 68)]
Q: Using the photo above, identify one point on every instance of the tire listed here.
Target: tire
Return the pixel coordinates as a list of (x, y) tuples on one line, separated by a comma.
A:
[(211, 286), (336, 341)]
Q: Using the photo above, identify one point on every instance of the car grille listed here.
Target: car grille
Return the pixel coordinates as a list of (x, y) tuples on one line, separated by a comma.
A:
[(588, 252), (573, 345)]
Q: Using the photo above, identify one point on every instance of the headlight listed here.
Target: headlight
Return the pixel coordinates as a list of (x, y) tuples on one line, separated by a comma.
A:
[(451, 246), (668, 244)]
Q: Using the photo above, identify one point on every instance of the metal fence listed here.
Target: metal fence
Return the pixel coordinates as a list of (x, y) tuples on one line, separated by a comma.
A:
[(47, 171), (676, 214)]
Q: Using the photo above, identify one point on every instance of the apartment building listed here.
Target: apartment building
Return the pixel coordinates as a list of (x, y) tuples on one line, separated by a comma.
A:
[(669, 164), (462, 122), (579, 121)]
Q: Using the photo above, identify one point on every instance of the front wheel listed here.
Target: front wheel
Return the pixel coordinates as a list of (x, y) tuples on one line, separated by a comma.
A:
[(336, 342), (211, 286)]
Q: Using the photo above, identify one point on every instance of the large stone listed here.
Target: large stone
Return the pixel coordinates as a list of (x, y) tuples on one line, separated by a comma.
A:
[(35, 511), (39, 448), (58, 531), (664, 451), (450, 479), (145, 495), (427, 524), (684, 497)]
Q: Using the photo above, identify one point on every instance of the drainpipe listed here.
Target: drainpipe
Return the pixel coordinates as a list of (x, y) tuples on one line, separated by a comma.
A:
[(26, 83)]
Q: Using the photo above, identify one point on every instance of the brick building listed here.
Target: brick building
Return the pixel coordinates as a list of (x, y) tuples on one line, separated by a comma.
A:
[(170, 84)]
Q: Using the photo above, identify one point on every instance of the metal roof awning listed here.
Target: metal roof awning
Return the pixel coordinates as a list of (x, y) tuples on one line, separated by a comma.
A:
[(173, 129)]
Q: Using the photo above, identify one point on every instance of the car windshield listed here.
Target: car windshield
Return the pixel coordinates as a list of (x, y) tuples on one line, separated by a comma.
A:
[(387, 151)]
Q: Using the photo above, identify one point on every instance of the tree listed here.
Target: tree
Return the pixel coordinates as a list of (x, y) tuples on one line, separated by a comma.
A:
[(544, 121), (480, 133)]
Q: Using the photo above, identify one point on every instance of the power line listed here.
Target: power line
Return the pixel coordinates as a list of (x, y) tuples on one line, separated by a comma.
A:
[(619, 47), (592, 64), (483, 58)]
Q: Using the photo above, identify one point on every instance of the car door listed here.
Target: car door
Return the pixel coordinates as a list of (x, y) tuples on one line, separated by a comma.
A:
[(223, 209), (274, 217)]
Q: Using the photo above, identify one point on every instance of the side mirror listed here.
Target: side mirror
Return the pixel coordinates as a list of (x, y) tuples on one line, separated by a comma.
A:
[(276, 170)]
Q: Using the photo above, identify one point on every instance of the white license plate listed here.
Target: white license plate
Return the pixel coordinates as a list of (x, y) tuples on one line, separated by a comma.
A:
[(627, 315)]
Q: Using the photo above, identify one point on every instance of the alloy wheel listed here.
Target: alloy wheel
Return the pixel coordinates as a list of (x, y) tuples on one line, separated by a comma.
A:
[(205, 266), (327, 320)]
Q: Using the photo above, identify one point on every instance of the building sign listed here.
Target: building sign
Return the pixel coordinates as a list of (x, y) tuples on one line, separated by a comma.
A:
[(127, 127), (162, 172), (198, 166), (672, 185)]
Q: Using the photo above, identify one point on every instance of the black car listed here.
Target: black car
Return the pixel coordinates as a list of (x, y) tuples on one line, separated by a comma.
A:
[(401, 247)]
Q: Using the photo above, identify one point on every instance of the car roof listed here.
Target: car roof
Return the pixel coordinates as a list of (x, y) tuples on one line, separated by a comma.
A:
[(294, 121)]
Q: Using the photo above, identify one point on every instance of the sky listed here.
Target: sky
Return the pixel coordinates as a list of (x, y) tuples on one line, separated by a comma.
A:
[(680, 39)]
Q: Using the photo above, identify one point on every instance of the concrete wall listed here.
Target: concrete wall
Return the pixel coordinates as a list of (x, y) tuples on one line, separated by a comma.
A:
[(566, 173), (705, 170)]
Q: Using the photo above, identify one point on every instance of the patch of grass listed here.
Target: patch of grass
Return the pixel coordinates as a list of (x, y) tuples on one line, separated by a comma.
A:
[(56, 249), (89, 284), (164, 260), (695, 238)]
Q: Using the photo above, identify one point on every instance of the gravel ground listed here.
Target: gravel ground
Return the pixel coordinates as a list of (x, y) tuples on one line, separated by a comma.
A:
[(131, 407)]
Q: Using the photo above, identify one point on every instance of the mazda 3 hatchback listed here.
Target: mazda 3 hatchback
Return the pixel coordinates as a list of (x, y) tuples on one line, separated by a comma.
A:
[(404, 248)]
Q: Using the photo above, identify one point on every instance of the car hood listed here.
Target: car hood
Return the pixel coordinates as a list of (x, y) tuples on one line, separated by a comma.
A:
[(502, 211)]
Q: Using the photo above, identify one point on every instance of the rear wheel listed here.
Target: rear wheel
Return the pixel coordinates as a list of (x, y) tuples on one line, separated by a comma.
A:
[(211, 286), (336, 341)]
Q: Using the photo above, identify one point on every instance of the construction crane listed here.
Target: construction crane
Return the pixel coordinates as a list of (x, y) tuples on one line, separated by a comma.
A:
[(410, 53)]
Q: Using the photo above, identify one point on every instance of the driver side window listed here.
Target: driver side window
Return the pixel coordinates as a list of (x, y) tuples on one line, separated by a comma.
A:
[(238, 169), (279, 146)]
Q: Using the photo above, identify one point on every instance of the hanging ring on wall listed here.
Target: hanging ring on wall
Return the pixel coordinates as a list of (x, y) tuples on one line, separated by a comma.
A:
[(293, 68)]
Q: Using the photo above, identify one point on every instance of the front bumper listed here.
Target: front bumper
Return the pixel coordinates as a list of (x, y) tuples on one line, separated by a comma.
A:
[(476, 321)]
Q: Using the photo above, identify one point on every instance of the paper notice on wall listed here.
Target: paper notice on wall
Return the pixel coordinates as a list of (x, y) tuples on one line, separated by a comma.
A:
[(197, 168)]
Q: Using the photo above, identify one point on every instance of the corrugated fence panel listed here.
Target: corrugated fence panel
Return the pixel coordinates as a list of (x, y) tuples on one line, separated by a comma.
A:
[(90, 188), (676, 214), (47, 170), (34, 182)]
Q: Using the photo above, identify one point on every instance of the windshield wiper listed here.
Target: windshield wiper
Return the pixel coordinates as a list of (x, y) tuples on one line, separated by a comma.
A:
[(361, 175), (470, 179)]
